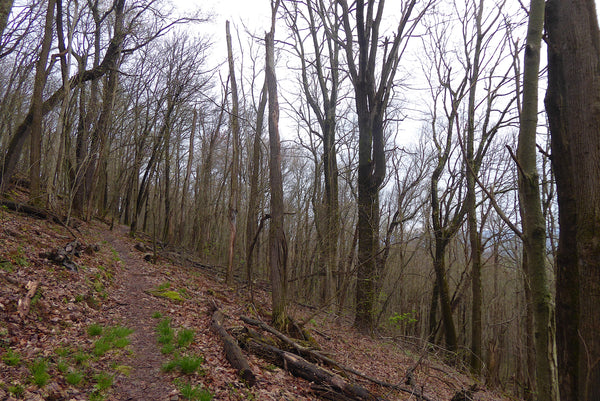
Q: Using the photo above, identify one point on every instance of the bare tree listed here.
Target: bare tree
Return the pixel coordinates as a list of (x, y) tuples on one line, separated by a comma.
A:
[(235, 159), (277, 240), (373, 82)]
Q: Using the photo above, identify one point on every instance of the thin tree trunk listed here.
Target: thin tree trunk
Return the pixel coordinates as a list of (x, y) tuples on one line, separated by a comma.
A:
[(253, 202), (277, 240), (35, 150), (186, 180), (534, 227), (474, 239), (234, 177)]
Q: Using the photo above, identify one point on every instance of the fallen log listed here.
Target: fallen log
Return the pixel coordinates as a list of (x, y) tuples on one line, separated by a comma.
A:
[(24, 304), (232, 350), (301, 350), (302, 368), (315, 355)]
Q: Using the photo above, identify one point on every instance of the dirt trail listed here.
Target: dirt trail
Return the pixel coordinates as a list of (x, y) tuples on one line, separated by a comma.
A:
[(145, 382)]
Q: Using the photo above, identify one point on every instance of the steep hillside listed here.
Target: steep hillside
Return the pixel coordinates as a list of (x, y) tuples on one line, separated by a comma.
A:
[(111, 325)]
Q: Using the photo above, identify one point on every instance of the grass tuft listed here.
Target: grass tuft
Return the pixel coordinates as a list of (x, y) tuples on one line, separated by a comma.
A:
[(11, 358), (195, 393), (74, 378), (103, 381), (39, 372), (185, 338), (94, 330)]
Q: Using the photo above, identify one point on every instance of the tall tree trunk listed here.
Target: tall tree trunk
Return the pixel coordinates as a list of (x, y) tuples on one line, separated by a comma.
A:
[(35, 150), (534, 227), (235, 144), (167, 193), (474, 239), (572, 104), (253, 201), (186, 180), (277, 240), (372, 90)]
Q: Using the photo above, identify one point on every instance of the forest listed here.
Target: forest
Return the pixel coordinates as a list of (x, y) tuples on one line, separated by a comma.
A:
[(427, 169)]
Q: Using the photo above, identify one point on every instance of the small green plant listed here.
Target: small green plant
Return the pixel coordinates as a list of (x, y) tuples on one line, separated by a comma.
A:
[(186, 364), (102, 346), (17, 390), (190, 364), (62, 366), (96, 396), (157, 315), (20, 258), (116, 257), (74, 378), (167, 348), (79, 298), (7, 266), (119, 332), (185, 338), (39, 372), (164, 286), (11, 358), (195, 393), (165, 332), (400, 319), (103, 381), (80, 357), (170, 366), (115, 337), (94, 330)]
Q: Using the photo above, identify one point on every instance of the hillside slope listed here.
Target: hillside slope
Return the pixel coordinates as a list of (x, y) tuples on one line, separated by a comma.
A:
[(116, 327)]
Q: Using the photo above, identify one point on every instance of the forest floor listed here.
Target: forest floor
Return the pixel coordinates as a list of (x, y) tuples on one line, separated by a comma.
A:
[(121, 328)]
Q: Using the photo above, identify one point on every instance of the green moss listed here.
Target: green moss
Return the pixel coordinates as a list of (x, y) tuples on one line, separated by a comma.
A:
[(172, 295)]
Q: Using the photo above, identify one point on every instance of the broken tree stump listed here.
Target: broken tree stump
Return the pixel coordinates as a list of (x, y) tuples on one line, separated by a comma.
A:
[(232, 350), (25, 303), (62, 256)]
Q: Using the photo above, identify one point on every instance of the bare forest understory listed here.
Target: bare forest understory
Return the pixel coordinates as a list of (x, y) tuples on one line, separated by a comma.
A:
[(86, 315)]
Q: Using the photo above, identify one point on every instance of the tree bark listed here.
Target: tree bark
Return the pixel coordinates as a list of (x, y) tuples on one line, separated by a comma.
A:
[(235, 144), (35, 149), (232, 350), (534, 228), (277, 240), (572, 103), (474, 238), (253, 201)]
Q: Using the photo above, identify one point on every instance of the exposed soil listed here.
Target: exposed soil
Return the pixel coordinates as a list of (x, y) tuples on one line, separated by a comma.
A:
[(136, 307)]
